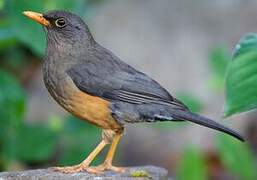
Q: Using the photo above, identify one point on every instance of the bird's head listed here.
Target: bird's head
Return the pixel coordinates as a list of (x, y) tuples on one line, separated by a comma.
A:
[(62, 27)]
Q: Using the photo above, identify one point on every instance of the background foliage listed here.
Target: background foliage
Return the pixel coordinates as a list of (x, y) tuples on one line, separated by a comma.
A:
[(241, 77)]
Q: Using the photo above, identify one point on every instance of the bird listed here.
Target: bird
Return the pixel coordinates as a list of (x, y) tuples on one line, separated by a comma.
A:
[(93, 84)]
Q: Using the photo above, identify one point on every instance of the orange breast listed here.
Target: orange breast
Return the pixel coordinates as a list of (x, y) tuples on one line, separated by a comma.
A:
[(93, 109)]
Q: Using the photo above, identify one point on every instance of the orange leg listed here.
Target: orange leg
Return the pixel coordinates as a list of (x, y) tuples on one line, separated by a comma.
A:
[(84, 166), (107, 165)]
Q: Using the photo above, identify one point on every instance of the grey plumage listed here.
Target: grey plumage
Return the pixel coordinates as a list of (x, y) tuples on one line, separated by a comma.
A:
[(133, 96)]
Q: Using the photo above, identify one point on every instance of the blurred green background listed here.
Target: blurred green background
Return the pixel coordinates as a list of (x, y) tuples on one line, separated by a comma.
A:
[(184, 45)]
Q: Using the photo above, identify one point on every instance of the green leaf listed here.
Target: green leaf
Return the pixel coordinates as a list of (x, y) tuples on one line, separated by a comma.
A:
[(241, 79), (237, 157), (246, 44), (192, 166)]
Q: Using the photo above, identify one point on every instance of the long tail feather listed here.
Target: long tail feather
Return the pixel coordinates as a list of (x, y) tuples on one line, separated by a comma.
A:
[(195, 118)]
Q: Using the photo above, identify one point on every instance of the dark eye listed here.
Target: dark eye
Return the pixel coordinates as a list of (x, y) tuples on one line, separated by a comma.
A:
[(60, 22)]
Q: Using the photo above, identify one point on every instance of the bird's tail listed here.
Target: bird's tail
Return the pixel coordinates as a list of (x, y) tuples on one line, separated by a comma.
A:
[(195, 118)]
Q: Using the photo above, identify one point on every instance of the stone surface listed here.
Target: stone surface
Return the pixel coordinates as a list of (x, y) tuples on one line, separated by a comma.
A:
[(144, 172)]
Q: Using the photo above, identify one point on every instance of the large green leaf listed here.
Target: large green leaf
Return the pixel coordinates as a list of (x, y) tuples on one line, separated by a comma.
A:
[(192, 166), (241, 79), (237, 157)]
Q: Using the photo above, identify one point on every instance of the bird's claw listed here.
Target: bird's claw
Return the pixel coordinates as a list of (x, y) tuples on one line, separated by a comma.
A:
[(110, 167)]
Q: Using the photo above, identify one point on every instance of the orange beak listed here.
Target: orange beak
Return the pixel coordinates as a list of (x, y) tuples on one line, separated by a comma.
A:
[(37, 17)]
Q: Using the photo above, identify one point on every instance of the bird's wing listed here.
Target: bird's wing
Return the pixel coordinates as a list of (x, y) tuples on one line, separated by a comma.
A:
[(114, 80)]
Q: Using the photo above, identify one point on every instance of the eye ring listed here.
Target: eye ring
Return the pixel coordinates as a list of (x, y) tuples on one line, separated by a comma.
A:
[(60, 22)]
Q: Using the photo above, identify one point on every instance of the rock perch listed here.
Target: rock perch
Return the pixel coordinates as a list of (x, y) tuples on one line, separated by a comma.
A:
[(144, 172)]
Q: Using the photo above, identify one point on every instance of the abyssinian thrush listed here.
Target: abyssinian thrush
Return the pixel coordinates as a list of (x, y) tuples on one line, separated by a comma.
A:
[(93, 84)]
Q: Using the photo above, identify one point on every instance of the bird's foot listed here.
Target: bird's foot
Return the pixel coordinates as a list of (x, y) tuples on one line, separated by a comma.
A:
[(109, 166), (76, 169)]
